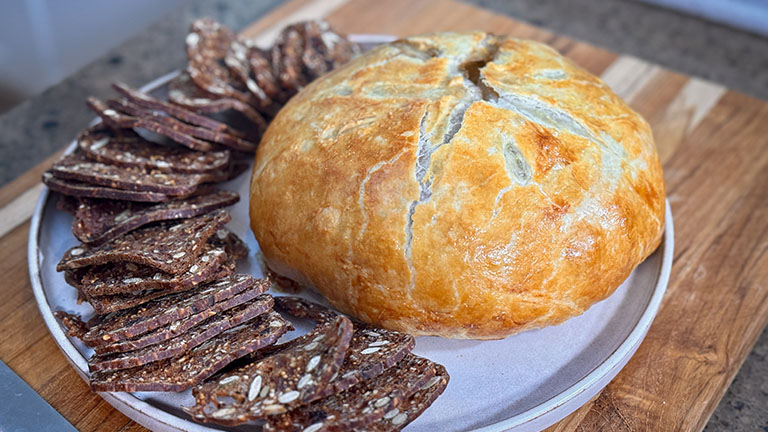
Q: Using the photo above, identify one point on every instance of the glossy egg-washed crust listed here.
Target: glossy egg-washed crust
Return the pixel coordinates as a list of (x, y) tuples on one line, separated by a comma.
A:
[(463, 185)]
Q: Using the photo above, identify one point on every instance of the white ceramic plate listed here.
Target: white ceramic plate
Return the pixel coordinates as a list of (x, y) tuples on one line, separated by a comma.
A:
[(523, 383)]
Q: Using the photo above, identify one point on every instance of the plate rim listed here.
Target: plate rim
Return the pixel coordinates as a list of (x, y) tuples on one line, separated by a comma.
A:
[(544, 414)]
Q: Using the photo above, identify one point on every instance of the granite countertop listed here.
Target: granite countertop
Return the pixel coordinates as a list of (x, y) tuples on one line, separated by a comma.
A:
[(42, 125)]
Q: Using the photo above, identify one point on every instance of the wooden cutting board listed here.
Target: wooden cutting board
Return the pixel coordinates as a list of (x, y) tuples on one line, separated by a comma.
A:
[(712, 142)]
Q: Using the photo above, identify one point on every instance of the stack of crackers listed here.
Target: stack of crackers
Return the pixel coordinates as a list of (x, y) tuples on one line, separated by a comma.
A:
[(158, 265), (339, 376)]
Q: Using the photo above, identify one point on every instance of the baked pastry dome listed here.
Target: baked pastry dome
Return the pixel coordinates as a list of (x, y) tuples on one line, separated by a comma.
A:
[(463, 185)]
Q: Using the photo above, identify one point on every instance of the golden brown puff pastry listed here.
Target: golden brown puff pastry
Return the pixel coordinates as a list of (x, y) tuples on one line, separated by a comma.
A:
[(463, 185)]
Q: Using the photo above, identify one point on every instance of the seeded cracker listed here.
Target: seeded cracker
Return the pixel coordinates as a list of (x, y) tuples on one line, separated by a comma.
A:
[(182, 91), (87, 190), (288, 376), (236, 60), (178, 328), (371, 351), (127, 277), (194, 366), (230, 242), (206, 330), (324, 49), (131, 150), (180, 128), (411, 408), (77, 167), (67, 204), (168, 246), (117, 120), (117, 302), (261, 69), (98, 221), (286, 59), (361, 405), (148, 102), (207, 45), (73, 324), (130, 323)]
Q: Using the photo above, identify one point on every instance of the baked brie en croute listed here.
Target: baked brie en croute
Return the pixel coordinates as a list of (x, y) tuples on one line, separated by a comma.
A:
[(463, 185)]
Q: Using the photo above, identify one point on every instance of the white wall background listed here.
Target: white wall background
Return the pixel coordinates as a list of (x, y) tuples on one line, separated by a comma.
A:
[(44, 41)]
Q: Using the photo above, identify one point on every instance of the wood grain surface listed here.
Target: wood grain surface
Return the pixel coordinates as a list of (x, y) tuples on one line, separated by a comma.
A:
[(712, 144)]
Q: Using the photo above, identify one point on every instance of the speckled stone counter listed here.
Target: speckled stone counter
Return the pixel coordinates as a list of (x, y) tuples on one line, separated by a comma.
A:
[(38, 127)]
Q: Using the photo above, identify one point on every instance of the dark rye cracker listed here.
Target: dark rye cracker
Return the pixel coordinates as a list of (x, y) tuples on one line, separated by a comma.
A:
[(236, 60), (148, 102), (372, 350), (117, 120), (67, 204), (98, 221), (179, 327), (130, 323), (207, 45), (286, 59), (73, 324), (87, 190), (200, 333), (156, 107), (283, 284), (191, 131), (398, 418), (96, 282), (127, 277), (77, 167), (234, 246), (191, 368), (286, 376), (131, 150), (168, 246), (361, 405), (118, 302), (324, 49), (184, 92), (260, 64)]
